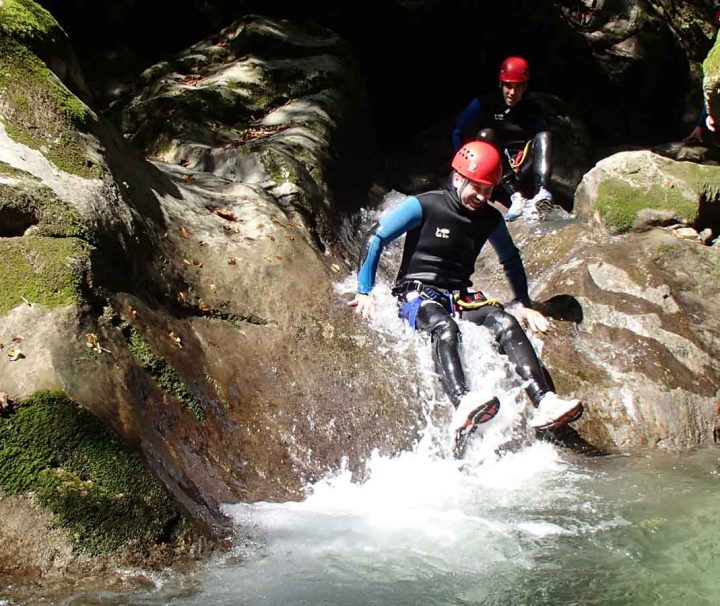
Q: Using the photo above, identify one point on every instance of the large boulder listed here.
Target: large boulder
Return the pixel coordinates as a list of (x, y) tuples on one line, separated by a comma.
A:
[(635, 190), (189, 303), (635, 319)]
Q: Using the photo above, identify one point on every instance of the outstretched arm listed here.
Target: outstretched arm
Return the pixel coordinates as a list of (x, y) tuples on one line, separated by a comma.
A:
[(406, 216)]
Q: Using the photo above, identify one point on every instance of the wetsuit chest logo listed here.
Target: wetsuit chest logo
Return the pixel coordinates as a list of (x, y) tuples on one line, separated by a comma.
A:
[(499, 117), (442, 232)]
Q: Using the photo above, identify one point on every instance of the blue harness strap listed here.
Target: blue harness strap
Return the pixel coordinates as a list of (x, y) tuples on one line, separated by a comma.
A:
[(409, 311)]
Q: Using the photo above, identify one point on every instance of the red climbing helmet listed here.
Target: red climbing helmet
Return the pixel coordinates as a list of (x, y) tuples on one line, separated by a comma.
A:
[(478, 161), (514, 69)]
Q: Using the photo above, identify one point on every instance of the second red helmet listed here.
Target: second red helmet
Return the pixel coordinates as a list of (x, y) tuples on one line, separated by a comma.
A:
[(514, 69), (478, 161)]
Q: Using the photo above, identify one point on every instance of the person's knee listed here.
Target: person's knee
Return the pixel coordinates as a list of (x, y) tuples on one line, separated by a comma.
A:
[(488, 135), (445, 330), (504, 323)]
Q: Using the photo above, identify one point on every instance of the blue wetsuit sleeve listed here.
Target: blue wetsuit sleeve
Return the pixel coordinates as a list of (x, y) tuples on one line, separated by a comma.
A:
[(406, 216), (703, 116), (468, 123), (512, 264)]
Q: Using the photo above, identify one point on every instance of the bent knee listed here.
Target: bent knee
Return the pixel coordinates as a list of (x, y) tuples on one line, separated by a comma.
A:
[(445, 329)]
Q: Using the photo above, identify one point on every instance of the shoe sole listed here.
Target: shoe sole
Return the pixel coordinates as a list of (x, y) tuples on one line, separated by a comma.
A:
[(482, 414), (569, 417)]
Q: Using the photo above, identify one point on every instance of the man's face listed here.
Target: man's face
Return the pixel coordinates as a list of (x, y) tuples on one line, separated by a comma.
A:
[(473, 195), (513, 92)]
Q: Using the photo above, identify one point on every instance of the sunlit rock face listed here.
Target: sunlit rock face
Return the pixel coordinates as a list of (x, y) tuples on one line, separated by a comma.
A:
[(636, 190), (635, 330), (187, 298), (187, 304)]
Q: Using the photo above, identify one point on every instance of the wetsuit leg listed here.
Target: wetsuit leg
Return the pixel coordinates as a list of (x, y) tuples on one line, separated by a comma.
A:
[(514, 343), (432, 317), (509, 179), (542, 159)]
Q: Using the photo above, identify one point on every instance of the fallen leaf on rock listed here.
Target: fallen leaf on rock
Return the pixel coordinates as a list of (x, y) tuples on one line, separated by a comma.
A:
[(15, 354), (204, 307), (176, 339), (184, 232), (213, 288), (202, 243), (271, 237), (232, 261), (279, 257), (132, 312), (91, 342), (91, 339), (17, 339), (181, 297), (224, 213)]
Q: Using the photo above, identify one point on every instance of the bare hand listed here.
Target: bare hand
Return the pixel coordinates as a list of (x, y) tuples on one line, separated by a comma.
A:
[(363, 304), (530, 318)]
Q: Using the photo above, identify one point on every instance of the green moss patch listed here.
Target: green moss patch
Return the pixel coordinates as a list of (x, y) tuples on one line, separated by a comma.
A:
[(99, 491), (618, 203), (48, 271), (683, 187), (29, 23), (163, 373), (22, 207), (41, 113), (14, 173)]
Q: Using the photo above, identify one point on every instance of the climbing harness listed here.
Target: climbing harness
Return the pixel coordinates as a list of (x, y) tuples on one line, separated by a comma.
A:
[(516, 153), (468, 299), (455, 302)]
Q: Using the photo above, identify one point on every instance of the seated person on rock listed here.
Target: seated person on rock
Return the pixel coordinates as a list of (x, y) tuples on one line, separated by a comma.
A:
[(516, 126), (445, 232)]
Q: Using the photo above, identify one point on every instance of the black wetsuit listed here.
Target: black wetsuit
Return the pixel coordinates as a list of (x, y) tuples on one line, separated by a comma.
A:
[(510, 128), (442, 243)]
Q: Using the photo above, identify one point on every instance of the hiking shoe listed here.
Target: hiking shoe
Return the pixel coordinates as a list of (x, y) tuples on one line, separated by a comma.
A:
[(543, 195), (478, 415), (553, 411), (517, 206)]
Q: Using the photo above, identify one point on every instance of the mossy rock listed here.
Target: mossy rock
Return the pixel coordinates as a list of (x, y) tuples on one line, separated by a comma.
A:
[(711, 81), (47, 271), (38, 110), (30, 206), (99, 491), (29, 23), (163, 373), (623, 185)]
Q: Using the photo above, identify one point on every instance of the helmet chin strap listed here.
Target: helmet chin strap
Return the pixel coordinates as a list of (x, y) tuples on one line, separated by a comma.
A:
[(461, 188)]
